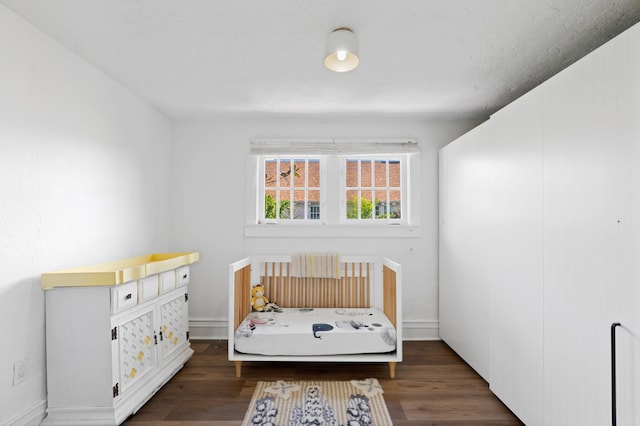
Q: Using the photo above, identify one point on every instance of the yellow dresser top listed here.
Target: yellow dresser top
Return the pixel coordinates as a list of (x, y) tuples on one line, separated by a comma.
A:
[(119, 271)]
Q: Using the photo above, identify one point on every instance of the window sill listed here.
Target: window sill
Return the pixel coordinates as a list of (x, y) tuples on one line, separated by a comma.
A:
[(331, 231)]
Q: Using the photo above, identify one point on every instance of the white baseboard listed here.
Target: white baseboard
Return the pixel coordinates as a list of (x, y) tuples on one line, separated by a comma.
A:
[(209, 329), (421, 330), (31, 416)]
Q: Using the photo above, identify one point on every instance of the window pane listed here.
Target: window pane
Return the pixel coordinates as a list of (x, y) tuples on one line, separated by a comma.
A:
[(285, 205), (314, 196), (285, 195), (314, 204), (270, 173), (352, 173), (366, 205), (365, 173), (352, 205), (394, 173), (286, 169), (381, 205), (298, 173), (314, 173), (285, 209), (298, 211), (270, 205), (395, 205), (381, 174)]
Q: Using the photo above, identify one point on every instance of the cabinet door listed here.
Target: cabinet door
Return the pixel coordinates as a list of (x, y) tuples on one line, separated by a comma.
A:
[(134, 343), (515, 266), (467, 245), (173, 323), (627, 292)]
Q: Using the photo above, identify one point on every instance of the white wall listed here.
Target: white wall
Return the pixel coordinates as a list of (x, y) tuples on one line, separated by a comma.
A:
[(540, 244), (209, 196), (89, 173), (84, 178)]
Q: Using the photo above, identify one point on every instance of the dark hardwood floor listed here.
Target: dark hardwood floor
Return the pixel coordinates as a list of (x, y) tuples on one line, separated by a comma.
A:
[(433, 386)]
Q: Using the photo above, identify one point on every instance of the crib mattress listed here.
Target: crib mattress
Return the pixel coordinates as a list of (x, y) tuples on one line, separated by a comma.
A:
[(317, 331)]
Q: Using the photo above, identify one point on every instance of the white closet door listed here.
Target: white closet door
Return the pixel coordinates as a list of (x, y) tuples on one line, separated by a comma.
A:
[(466, 237), (516, 269), (628, 292), (582, 237)]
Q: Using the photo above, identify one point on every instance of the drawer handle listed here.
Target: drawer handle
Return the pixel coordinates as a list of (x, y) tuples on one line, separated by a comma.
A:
[(184, 277), (128, 296)]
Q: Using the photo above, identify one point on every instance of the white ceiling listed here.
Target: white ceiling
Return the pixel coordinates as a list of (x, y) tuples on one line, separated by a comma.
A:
[(198, 59)]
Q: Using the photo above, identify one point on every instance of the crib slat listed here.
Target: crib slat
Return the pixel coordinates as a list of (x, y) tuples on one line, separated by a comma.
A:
[(296, 288), (361, 289), (242, 294), (389, 294), (273, 279), (356, 281), (279, 285), (368, 286), (331, 292), (287, 285), (352, 296), (326, 285)]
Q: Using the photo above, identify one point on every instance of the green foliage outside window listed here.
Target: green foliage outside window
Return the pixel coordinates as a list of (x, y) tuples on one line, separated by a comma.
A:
[(366, 208), (270, 208)]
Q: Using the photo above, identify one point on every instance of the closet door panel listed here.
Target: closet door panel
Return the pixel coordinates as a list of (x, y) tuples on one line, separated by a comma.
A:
[(467, 235), (580, 239), (563, 217), (516, 280), (628, 336)]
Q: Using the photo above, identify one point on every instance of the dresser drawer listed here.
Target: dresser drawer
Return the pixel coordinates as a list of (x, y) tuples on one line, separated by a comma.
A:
[(182, 276), (124, 296), (147, 288), (167, 281)]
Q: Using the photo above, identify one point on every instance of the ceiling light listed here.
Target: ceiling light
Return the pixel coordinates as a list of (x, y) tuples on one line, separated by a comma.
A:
[(341, 53)]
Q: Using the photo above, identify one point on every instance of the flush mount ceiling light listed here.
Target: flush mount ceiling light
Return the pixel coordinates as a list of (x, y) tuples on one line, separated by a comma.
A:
[(341, 52)]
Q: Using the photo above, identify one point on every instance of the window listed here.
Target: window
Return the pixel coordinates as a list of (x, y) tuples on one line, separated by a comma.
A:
[(373, 188), (291, 189), (332, 183)]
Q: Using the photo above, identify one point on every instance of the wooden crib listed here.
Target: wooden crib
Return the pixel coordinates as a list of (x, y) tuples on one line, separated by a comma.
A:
[(361, 282)]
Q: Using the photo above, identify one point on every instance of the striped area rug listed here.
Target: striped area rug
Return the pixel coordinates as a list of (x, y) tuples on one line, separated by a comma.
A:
[(348, 403)]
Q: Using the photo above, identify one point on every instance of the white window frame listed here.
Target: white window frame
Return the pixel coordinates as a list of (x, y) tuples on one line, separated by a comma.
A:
[(404, 197), (262, 188), (333, 154)]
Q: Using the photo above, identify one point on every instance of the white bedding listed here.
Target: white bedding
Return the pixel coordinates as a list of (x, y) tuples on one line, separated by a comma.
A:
[(318, 331)]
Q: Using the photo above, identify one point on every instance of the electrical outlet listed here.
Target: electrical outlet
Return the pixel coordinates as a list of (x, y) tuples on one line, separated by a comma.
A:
[(19, 372)]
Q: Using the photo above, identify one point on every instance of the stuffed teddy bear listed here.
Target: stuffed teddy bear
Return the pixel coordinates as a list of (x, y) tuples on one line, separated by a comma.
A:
[(258, 300)]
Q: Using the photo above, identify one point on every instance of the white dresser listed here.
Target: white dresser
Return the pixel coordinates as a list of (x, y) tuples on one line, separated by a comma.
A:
[(116, 332)]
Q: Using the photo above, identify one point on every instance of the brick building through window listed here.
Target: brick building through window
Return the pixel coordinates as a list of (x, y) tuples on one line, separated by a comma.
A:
[(293, 188)]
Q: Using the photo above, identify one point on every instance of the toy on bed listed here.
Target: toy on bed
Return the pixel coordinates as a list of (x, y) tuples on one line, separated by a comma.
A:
[(330, 309), (258, 300)]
